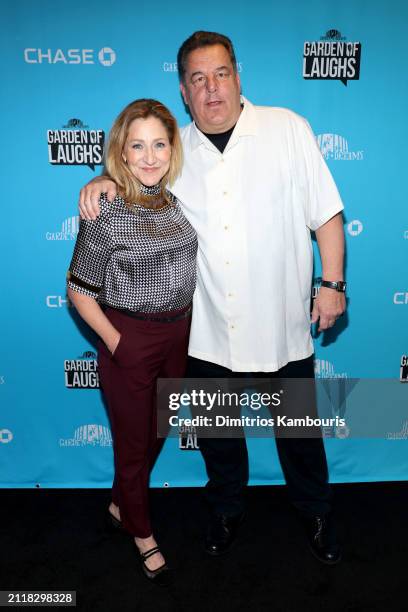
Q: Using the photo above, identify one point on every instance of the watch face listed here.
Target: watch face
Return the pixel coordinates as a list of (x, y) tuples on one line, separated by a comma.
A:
[(341, 286)]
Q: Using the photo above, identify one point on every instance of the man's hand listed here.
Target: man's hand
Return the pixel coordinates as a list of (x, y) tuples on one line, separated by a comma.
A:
[(328, 306), (90, 194)]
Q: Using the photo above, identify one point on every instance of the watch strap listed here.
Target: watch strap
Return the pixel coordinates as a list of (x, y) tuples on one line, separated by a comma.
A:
[(336, 285)]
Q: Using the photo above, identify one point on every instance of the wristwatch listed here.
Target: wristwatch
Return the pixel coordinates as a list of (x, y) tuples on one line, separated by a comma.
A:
[(337, 285)]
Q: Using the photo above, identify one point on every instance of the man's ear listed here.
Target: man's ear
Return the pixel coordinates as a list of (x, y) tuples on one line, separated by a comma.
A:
[(237, 78), (184, 93)]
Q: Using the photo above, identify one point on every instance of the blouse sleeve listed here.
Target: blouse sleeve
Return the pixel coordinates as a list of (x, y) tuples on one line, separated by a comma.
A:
[(92, 251)]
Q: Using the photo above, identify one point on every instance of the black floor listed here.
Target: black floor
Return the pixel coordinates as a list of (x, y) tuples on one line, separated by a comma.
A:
[(56, 540)]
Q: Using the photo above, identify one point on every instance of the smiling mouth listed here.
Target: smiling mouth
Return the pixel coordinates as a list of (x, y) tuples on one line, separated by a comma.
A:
[(149, 169), (214, 102)]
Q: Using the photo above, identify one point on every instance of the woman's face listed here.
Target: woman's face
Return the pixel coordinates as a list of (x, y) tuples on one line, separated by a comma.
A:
[(147, 150)]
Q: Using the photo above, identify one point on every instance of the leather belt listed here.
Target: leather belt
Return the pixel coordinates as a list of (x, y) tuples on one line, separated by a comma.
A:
[(147, 317)]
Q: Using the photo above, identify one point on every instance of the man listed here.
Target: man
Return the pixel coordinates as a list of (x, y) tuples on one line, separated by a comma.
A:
[(253, 186)]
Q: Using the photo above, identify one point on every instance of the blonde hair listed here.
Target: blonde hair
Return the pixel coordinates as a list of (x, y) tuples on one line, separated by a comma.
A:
[(116, 168)]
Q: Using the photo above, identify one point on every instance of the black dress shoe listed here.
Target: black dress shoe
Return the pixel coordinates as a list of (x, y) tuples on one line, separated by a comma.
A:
[(162, 576), (221, 533), (321, 534), (113, 524)]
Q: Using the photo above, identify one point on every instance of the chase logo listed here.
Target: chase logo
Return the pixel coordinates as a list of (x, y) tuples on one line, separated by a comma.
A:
[(106, 56), (401, 297), (355, 227), (69, 230), (5, 436), (89, 435), (334, 146), (58, 301)]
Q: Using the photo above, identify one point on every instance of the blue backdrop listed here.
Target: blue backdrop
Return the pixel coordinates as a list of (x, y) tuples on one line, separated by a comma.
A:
[(68, 69)]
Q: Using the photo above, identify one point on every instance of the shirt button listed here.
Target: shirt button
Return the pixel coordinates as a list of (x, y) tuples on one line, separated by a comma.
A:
[(225, 227), (230, 295), (227, 263), (232, 326), (225, 193)]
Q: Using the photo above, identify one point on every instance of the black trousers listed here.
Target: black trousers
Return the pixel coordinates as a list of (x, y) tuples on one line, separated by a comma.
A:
[(303, 460)]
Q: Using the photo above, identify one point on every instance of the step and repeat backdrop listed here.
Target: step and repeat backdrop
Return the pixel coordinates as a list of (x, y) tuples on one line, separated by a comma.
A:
[(68, 69)]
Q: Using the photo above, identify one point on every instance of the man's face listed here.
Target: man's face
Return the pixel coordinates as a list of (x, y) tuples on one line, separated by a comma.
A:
[(212, 89)]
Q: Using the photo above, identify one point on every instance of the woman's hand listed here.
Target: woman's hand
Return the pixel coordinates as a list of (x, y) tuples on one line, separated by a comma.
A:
[(112, 345), (89, 309)]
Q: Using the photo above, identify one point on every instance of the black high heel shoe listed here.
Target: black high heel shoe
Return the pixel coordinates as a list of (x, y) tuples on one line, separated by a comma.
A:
[(113, 524), (161, 576)]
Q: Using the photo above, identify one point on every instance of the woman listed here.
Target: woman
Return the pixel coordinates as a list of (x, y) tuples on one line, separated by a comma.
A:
[(132, 278)]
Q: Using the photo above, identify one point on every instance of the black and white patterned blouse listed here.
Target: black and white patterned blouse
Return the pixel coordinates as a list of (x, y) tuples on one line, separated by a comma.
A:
[(139, 259)]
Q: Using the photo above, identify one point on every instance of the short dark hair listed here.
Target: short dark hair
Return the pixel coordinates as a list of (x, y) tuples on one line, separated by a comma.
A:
[(203, 39)]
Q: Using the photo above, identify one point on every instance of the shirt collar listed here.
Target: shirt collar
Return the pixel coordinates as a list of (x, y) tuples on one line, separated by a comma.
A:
[(246, 126)]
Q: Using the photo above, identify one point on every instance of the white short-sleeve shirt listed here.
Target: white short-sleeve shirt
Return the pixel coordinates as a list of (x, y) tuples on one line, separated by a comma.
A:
[(253, 207)]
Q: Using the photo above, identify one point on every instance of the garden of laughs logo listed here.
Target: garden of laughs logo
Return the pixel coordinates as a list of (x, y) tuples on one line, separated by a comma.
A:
[(332, 58), (82, 373), (75, 145), (404, 369), (188, 438)]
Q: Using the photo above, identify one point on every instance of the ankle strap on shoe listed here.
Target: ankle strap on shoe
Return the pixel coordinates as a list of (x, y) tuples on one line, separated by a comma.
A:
[(149, 553)]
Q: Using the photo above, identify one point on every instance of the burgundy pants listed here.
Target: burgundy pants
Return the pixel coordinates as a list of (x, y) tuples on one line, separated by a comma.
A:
[(146, 351)]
